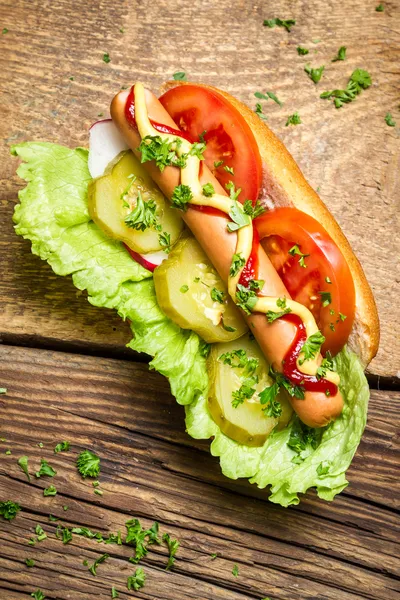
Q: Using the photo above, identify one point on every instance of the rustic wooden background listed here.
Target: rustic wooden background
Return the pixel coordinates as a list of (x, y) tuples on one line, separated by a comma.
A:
[(54, 84)]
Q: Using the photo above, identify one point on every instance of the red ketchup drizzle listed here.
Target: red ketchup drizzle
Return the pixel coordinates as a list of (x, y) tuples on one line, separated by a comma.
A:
[(250, 270), (309, 382), (130, 117)]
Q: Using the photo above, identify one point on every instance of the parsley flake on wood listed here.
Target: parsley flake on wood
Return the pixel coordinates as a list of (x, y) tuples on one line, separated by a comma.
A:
[(311, 346), (181, 196), (389, 120), (50, 491), (45, 470), (235, 571), (106, 57), (302, 51), (214, 555), (3, 390), (140, 538), (359, 80), (179, 76), (23, 464), (62, 447), (259, 112), (137, 580), (40, 533), (380, 8), (88, 464), (173, 546), (97, 562), (9, 510), (341, 55), (293, 119), (38, 595), (314, 74), (29, 562), (114, 593), (286, 23), (295, 251), (143, 216), (238, 261)]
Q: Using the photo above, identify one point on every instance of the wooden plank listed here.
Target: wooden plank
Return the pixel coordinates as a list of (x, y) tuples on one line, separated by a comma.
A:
[(152, 470), (355, 166)]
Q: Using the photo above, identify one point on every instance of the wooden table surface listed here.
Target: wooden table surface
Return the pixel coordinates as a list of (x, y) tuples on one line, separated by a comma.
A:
[(64, 362)]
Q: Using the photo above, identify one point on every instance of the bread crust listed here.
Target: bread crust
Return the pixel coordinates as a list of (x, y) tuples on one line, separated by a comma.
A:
[(285, 185)]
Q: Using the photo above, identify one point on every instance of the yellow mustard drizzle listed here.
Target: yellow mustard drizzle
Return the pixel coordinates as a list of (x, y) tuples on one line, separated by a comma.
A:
[(190, 177)]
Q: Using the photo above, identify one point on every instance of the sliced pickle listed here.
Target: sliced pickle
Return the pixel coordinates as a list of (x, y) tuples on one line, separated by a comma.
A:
[(184, 284), (246, 424), (114, 195)]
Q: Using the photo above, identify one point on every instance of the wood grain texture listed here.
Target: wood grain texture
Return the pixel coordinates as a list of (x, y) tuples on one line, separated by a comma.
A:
[(345, 550), (350, 154)]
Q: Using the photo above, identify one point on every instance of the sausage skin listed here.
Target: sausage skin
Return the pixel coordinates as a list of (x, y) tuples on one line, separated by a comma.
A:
[(274, 339)]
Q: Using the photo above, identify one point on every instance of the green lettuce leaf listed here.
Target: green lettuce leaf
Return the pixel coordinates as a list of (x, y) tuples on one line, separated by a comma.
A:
[(53, 215)]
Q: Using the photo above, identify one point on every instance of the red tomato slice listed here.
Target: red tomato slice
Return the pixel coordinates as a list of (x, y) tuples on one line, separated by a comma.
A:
[(325, 284), (196, 109)]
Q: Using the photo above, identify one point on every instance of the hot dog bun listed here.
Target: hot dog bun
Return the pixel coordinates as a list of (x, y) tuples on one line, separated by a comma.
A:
[(284, 185)]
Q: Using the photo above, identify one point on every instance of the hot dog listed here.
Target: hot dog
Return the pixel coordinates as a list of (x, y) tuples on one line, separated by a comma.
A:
[(316, 409)]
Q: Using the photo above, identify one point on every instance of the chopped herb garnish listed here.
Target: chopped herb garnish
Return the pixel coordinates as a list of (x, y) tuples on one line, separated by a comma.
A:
[(97, 562), (66, 534), (88, 464), (341, 55), (286, 23), (173, 546), (62, 447), (359, 80), (3, 390), (143, 215), (328, 280), (9, 510), (23, 464), (179, 76), (256, 284), (181, 196), (98, 492), (301, 436), (218, 163), (184, 289), (217, 295), (229, 170), (268, 396), (164, 239), (162, 151), (245, 391), (311, 346), (233, 193), (5, 30), (29, 562), (137, 580), (65, 507), (45, 470), (255, 210), (246, 299), (8, 452), (38, 595), (302, 51), (239, 217), (208, 190), (235, 571), (295, 251), (40, 533), (326, 298), (268, 95), (227, 327), (259, 111), (238, 261), (331, 327), (204, 349), (293, 119), (314, 74), (114, 593), (197, 149), (326, 365), (140, 538), (342, 317), (323, 467), (389, 120), (293, 390), (52, 518), (272, 315), (380, 8), (214, 555), (106, 57), (50, 491)]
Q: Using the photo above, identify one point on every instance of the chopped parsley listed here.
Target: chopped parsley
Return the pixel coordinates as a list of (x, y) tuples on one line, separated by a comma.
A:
[(253, 210), (9, 509), (5, 30), (23, 464), (272, 315), (293, 390), (140, 538), (245, 392), (259, 112), (45, 470), (137, 580), (114, 593), (238, 261), (246, 299), (342, 316), (341, 55), (328, 280), (326, 298), (218, 163), (359, 80), (179, 76), (295, 251), (217, 295), (268, 396), (302, 436), (143, 215), (181, 196), (50, 491), (238, 359), (162, 151), (64, 533), (302, 51), (286, 23), (314, 74), (208, 190), (184, 289), (267, 96), (233, 193), (379, 8), (229, 170), (293, 119), (38, 595), (389, 120), (29, 562), (204, 349), (62, 447), (235, 571), (97, 562), (173, 546), (311, 346), (164, 239), (106, 57), (323, 468), (326, 365), (88, 464), (197, 149), (239, 217), (214, 555), (3, 390), (256, 284), (40, 534)]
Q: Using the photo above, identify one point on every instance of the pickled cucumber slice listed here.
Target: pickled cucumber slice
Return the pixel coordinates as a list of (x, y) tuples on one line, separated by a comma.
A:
[(192, 294), (246, 424), (115, 194)]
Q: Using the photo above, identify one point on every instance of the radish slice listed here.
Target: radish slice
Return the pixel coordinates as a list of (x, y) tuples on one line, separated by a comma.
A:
[(105, 143), (148, 261)]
